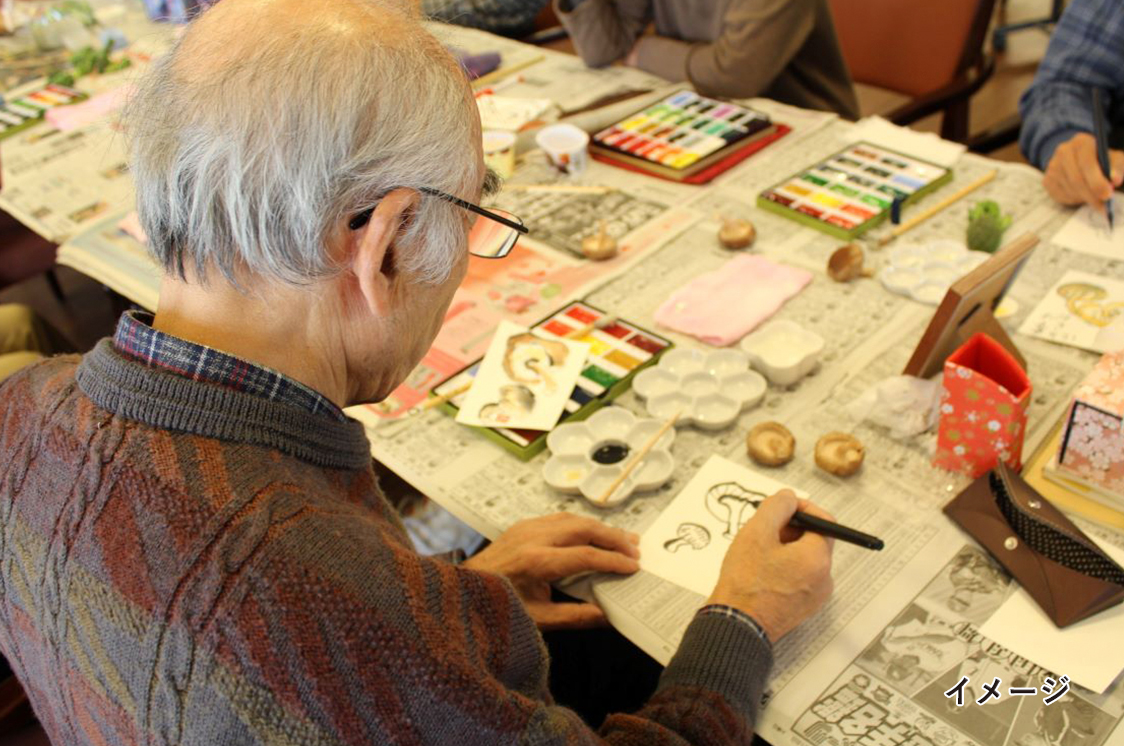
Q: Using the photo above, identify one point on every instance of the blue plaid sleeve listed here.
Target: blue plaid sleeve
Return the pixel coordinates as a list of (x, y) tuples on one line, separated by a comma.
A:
[(1085, 52), (505, 17)]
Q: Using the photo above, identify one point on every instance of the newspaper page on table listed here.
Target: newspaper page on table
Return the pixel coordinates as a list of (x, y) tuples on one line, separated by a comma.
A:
[(835, 680), (60, 183), (116, 259)]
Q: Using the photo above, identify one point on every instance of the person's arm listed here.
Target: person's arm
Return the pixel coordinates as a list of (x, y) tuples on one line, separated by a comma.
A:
[(1086, 52), (337, 631), (603, 31), (759, 38), (506, 17)]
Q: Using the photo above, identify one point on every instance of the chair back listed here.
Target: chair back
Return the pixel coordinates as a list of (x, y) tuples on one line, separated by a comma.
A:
[(913, 47)]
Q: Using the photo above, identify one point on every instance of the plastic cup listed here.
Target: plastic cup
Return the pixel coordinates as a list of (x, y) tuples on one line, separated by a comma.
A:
[(499, 152), (567, 147)]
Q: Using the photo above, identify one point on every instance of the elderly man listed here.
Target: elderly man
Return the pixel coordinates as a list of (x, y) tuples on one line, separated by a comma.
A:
[(194, 547)]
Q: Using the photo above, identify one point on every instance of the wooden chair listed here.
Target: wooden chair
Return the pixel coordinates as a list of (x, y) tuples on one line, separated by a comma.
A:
[(932, 52)]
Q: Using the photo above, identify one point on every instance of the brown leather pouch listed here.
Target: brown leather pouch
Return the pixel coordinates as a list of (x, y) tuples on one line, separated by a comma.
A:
[(1060, 567)]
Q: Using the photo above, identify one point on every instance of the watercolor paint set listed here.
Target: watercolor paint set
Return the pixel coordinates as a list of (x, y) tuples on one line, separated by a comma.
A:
[(21, 112), (617, 351), (854, 190), (681, 135)]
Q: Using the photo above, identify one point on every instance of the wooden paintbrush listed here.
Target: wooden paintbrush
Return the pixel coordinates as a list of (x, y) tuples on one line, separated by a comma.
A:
[(636, 459), (601, 323)]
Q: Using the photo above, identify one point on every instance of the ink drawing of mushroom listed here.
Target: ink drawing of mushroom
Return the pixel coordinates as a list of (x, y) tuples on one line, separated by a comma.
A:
[(727, 502), (689, 535)]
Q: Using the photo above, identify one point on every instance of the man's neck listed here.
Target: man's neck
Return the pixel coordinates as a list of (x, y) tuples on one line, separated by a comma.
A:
[(285, 329)]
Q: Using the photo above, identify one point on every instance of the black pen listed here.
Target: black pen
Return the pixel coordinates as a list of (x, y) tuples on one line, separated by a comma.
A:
[(809, 522), (1100, 131)]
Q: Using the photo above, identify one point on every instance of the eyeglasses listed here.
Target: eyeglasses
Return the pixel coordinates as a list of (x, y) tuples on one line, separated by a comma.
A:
[(493, 238)]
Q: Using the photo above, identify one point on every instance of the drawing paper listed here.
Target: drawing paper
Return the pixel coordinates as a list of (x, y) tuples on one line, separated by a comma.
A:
[(688, 541), (1081, 310), (524, 381), (1087, 231), (1088, 652), (924, 145)]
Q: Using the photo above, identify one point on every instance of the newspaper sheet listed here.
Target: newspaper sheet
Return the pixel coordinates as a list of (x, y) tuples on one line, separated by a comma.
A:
[(116, 259), (826, 685)]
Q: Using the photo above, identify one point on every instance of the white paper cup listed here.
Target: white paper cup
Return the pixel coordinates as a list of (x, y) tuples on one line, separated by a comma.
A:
[(567, 146), (499, 152)]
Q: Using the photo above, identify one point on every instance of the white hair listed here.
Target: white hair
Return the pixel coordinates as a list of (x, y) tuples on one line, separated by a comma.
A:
[(252, 159)]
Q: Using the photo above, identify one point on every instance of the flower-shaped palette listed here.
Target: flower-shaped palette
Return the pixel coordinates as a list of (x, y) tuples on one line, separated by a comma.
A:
[(587, 457), (925, 271), (708, 389)]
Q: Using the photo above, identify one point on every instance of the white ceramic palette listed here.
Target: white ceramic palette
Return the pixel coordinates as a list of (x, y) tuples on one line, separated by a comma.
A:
[(709, 389), (587, 457), (783, 350), (924, 272)]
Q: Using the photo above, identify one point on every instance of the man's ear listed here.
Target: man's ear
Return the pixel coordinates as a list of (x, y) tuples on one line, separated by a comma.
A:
[(371, 246)]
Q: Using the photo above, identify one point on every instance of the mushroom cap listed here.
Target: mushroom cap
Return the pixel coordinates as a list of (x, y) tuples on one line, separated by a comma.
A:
[(770, 444), (840, 454), (599, 246), (846, 263), (694, 534), (737, 233)]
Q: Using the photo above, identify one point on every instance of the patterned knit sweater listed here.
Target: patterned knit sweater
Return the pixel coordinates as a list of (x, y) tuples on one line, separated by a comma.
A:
[(182, 563)]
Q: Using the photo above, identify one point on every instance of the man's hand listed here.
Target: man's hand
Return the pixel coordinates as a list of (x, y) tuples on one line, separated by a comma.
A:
[(1074, 176), (777, 574), (534, 552)]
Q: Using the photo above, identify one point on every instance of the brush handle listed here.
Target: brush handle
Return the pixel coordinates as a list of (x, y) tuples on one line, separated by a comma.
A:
[(949, 200), (810, 522), (635, 460)]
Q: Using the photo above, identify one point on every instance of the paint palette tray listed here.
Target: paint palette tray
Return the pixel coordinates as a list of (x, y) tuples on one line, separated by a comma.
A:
[(924, 272), (681, 135), (587, 457), (852, 191), (709, 390), (617, 351), (17, 113)]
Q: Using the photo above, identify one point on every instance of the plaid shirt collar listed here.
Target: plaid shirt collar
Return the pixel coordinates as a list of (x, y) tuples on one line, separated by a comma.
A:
[(137, 340)]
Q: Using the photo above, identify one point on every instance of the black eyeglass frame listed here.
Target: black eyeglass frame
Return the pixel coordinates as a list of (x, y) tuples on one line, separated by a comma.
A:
[(361, 219)]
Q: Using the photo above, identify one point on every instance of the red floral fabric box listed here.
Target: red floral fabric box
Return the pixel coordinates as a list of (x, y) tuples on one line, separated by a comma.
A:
[(1092, 446), (983, 408)]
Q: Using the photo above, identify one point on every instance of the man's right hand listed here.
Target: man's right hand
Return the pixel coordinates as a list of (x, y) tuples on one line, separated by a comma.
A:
[(777, 574), (1074, 175)]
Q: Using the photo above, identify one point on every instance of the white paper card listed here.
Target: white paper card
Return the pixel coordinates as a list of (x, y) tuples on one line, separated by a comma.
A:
[(1088, 652), (1081, 310), (504, 113), (688, 541), (1087, 231), (524, 381), (924, 145)]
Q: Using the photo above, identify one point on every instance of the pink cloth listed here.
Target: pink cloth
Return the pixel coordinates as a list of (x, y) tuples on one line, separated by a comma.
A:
[(723, 306)]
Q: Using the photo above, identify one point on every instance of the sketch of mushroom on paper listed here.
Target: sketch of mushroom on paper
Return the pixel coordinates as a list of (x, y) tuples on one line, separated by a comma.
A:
[(689, 535), (727, 502), (528, 359)]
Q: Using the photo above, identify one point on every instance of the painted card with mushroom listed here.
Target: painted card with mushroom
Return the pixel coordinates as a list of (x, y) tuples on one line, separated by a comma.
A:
[(688, 541), (524, 381)]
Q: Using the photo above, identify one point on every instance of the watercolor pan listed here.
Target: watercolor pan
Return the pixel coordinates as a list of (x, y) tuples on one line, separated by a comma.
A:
[(682, 134), (26, 110), (852, 191), (617, 352)]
